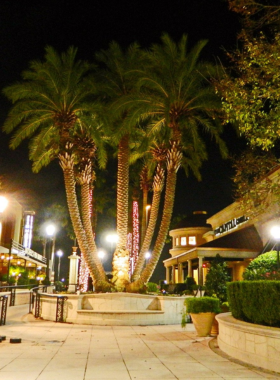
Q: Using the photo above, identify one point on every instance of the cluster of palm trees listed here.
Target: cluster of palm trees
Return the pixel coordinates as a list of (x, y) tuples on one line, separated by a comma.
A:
[(149, 106)]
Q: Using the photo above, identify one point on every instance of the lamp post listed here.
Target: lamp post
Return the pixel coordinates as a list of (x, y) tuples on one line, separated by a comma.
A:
[(59, 254), (3, 205), (275, 232), (50, 231)]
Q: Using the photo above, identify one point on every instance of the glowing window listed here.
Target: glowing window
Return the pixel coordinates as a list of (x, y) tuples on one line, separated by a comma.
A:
[(183, 240), (192, 240), (177, 241)]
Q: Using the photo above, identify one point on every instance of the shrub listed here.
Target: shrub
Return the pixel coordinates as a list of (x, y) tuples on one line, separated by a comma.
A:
[(255, 301), (263, 267), (217, 278), (190, 282), (152, 287), (202, 305)]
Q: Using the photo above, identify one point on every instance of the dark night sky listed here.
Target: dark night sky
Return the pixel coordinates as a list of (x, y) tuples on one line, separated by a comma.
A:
[(26, 27)]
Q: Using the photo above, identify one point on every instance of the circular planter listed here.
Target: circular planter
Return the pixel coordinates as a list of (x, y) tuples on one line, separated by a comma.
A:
[(203, 323)]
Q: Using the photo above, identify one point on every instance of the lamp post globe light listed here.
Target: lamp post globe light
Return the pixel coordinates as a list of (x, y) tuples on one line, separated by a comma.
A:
[(275, 233)]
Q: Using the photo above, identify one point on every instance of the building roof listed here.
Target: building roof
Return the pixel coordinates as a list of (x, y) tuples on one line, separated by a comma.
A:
[(196, 219), (245, 238)]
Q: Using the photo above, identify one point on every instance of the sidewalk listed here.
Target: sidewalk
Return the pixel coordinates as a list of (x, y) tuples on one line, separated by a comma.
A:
[(52, 351)]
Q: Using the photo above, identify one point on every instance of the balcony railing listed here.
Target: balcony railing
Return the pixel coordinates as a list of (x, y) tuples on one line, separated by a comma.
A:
[(23, 252)]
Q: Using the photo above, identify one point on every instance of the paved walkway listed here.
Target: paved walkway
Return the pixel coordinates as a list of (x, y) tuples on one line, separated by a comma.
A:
[(52, 351)]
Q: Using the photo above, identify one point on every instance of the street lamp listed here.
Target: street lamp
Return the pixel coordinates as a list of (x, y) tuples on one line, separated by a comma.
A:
[(50, 231), (3, 204), (59, 254), (275, 232)]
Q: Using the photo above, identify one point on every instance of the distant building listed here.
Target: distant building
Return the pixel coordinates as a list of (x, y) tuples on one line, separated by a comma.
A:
[(16, 228), (229, 233)]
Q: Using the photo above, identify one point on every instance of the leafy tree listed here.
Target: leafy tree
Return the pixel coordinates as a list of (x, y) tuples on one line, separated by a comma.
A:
[(263, 267), (216, 279), (255, 191)]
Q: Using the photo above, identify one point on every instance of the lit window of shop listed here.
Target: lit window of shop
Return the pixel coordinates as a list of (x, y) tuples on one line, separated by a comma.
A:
[(177, 241), (192, 240), (183, 240)]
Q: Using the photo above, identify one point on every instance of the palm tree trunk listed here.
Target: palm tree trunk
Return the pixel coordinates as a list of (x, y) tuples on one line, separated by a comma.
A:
[(121, 255), (66, 162), (85, 208), (173, 164), (157, 186)]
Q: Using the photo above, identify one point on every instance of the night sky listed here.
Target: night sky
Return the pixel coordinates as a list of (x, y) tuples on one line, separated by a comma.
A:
[(26, 27)]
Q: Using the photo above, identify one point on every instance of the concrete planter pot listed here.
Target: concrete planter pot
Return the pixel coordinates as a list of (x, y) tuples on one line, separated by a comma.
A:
[(203, 323)]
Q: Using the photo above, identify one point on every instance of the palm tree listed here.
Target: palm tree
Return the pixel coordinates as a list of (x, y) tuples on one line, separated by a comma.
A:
[(52, 107), (176, 94), (118, 79)]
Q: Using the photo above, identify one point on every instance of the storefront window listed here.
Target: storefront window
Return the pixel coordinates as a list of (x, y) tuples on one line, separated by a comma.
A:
[(192, 240), (183, 240), (177, 242)]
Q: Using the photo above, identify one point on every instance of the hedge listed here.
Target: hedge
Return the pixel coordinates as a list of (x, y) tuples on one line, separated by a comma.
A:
[(255, 301)]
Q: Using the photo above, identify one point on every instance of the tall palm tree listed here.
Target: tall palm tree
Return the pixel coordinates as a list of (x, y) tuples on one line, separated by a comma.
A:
[(176, 94), (118, 79), (51, 106)]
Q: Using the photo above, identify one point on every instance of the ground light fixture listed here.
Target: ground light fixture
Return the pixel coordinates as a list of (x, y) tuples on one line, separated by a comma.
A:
[(275, 233)]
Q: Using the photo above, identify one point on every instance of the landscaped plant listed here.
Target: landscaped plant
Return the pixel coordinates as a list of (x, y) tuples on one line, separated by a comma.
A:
[(263, 267), (217, 278), (152, 287), (255, 301), (196, 305)]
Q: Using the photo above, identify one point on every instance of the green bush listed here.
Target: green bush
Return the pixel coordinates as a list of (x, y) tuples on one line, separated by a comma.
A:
[(190, 281), (263, 267), (197, 305), (217, 278), (152, 287), (255, 301)]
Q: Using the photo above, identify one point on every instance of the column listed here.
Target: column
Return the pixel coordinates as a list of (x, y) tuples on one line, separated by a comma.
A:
[(190, 268), (180, 273), (200, 271), (173, 274), (73, 270), (168, 274)]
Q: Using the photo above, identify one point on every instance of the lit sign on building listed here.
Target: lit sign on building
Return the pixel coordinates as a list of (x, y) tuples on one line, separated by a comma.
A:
[(230, 225), (28, 229)]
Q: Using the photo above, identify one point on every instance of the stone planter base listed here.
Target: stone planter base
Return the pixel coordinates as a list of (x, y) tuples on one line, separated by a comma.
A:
[(253, 344)]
